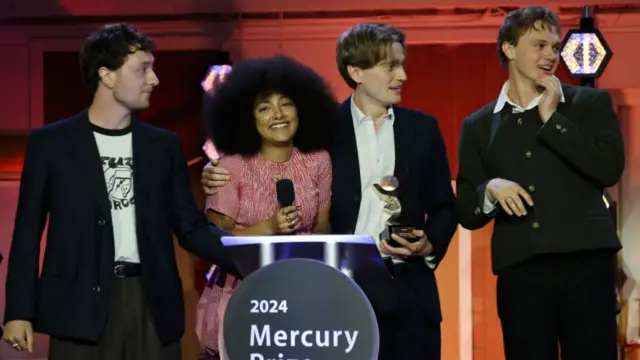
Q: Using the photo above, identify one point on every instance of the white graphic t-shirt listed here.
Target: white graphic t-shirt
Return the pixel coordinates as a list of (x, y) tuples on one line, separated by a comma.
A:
[(116, 155)]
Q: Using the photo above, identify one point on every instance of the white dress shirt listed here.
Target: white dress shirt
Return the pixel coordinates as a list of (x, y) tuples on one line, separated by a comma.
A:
[(503, 99), (377, 158)]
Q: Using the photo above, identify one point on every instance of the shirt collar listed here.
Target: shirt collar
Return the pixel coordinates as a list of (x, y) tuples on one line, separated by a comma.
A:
[(504, 99), (358, 116)]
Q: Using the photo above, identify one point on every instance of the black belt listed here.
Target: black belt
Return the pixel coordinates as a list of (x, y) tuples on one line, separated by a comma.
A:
[(123, 269)]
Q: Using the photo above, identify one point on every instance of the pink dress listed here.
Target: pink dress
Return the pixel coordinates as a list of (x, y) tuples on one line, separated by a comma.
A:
[(249, 198)]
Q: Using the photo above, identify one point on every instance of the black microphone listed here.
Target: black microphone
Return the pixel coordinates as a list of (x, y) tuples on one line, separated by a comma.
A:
[(286, 194)]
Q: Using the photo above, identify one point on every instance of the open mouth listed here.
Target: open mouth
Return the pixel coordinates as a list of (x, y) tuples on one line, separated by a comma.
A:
[(278, 126), (396, 88), (546, 68)]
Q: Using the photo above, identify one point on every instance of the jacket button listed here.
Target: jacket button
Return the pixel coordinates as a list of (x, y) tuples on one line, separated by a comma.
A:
[(520, 121), (96, 288), (356, 198), (535, 225), (532, 188), (477, 211), (101, 222), (527, 154)]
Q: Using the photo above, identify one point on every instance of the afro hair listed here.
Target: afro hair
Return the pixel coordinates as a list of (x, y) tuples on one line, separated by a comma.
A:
[(229, 112)]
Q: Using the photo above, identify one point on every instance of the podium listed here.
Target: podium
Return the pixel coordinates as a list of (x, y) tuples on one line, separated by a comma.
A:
[(299, 300), (348, 253)]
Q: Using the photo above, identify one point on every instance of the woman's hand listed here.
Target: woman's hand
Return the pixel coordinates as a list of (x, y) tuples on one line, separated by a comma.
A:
[(285, 220)]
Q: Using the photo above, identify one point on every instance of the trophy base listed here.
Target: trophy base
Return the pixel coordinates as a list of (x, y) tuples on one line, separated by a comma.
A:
[(404, 231)]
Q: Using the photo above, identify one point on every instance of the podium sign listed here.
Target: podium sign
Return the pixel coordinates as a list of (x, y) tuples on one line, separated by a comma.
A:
[(300, 309)]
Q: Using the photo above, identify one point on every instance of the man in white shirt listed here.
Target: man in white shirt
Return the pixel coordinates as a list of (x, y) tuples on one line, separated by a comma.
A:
[(537, 160), (375, 138)]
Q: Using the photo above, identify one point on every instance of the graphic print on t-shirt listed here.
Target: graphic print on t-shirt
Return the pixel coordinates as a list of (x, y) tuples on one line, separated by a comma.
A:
[(118, 173)]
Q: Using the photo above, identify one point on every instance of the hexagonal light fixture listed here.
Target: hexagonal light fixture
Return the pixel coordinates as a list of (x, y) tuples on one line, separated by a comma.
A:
[(585, 54)]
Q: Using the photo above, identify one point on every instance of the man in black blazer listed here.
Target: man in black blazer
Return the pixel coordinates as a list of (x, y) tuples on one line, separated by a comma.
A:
[(537, 161), (374, 138), (115, 190)]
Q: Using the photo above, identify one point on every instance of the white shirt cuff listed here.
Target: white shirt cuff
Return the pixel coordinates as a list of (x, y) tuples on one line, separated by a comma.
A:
[(488, 207)]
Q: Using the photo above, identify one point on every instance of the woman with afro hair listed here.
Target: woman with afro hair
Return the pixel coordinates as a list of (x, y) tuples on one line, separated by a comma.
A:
[(270, 119)]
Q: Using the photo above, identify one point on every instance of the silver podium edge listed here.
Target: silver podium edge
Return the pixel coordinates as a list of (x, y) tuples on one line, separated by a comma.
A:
[(267, 251)]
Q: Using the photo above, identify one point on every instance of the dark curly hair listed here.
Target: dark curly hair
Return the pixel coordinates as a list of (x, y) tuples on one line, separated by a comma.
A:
[(109, 46), (229, 113)]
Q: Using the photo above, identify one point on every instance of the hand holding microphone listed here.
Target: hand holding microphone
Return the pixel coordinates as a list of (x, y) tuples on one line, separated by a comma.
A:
[(286, 220)]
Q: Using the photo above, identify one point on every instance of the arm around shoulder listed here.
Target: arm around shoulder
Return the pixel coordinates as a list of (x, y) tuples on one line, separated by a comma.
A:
[(193, 230), (31, 216), (472, 206), (223, 207)]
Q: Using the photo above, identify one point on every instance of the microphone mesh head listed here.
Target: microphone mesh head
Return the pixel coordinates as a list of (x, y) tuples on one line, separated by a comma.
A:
[(285, 192)]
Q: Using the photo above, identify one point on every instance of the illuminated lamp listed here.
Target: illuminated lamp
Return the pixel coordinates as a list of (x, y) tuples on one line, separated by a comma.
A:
[(585, 53)]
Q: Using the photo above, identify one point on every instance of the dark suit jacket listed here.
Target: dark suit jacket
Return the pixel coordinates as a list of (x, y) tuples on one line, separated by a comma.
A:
[(422, 166), (62, 177), (564, 165)]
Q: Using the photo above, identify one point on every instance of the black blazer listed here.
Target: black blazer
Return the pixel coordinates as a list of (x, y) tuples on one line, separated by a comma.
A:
[(62, 177), (422, 166), (564, 165)]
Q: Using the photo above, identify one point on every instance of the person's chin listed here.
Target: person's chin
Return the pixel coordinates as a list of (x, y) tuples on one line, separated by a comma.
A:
[(140, 106), (282, 140), (395, 99)]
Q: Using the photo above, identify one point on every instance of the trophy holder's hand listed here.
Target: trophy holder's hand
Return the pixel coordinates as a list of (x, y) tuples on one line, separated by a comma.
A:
[(421, 248)]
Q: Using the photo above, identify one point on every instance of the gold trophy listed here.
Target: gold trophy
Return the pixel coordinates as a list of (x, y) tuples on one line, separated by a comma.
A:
[(387, 191)]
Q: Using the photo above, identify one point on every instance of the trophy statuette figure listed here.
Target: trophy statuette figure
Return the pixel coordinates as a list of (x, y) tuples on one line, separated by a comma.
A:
[(387, 191)]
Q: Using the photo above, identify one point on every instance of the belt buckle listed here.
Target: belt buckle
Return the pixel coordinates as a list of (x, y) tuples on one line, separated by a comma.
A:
[(117, 271)]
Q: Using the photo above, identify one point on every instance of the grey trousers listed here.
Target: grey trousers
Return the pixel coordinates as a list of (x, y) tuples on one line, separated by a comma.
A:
[(130, 333)]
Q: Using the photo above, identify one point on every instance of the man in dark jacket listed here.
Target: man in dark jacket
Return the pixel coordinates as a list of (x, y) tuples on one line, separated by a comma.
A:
[(115, 191), (537, 160)]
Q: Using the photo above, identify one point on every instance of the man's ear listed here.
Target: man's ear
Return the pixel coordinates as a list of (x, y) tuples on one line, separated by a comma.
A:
[(355, 73), (508, 50), (107, 77)]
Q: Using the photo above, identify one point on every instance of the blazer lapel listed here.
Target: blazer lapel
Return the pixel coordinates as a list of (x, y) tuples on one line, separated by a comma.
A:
[(142, 168), (565, 105), (345, 159), (90, 164), (403, 137)]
